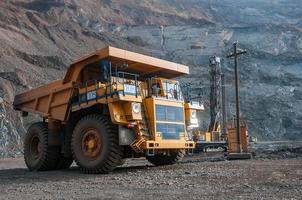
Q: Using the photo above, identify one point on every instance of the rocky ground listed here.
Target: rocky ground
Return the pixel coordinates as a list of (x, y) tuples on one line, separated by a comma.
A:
[(275, 173), (40, 38)]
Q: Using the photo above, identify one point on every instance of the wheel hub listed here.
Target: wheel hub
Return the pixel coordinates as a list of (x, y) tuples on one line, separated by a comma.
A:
[(91, 144), (35, 147)]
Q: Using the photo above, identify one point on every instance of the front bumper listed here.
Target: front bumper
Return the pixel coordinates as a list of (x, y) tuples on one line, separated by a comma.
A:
[(169, 144)]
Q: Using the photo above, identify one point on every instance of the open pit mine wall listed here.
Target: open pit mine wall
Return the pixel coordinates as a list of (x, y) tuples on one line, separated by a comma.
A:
[(40, 38)]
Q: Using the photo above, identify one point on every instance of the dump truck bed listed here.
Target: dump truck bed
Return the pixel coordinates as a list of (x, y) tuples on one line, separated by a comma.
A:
[(49, 100), (52, 100)]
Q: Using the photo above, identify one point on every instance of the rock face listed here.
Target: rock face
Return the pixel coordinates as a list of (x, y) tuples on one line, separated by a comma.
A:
[(40, 38)]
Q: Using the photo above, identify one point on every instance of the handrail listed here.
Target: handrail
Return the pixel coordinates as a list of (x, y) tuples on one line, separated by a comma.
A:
[(165, 89), (112, 82), (110, 72), (188, 94), (135, 76), (123, 84)]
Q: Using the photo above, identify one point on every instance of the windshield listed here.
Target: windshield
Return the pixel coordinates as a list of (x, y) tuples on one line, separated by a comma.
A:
[(172, 90)]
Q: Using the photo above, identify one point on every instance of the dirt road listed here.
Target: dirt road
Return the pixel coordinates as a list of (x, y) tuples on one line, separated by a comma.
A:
[(197, 177)]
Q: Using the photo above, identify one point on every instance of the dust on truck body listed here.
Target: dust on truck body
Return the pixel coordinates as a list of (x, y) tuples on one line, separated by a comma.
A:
[(111, 105)]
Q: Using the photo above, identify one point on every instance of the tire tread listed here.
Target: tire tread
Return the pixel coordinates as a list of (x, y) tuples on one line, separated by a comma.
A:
[(114, 155)]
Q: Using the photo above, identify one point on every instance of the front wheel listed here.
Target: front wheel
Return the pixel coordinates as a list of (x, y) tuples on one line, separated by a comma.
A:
[(95, 146), (166, 159)]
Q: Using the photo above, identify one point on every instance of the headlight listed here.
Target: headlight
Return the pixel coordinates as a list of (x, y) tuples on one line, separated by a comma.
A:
[(136, 108), (193, 114)]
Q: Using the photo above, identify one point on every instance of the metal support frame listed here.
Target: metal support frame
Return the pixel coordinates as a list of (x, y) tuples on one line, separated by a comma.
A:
[(215, 92), (223, 108)]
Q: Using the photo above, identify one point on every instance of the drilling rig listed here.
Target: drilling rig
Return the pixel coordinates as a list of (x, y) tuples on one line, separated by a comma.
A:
[(216, 134)]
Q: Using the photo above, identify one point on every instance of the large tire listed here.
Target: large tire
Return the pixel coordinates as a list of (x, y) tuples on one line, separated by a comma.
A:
[(95, 145), (166, 159), (38, 155)]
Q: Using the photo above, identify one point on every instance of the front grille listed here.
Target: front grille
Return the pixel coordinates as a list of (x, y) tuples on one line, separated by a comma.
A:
[(170, 131), (165, 116)]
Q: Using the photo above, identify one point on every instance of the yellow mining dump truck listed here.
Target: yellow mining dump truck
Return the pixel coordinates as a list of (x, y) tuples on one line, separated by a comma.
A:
[(111, 105)]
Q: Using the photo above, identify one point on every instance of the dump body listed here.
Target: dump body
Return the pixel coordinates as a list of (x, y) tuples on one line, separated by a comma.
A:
[(48, 101), (52, 100)]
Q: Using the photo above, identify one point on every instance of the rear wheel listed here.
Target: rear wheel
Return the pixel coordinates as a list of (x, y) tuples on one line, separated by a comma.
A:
[(95, 146), (166, 159), (38, 155)]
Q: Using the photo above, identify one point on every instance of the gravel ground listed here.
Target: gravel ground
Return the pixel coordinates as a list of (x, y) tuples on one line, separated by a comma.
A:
[(202, 176)]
